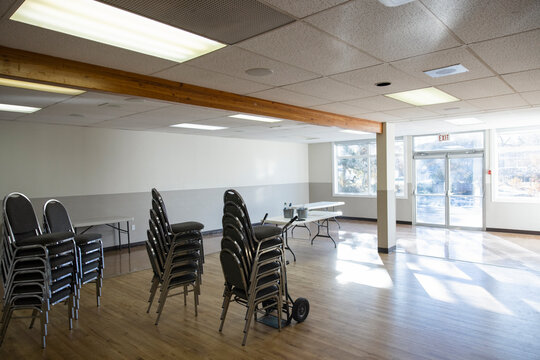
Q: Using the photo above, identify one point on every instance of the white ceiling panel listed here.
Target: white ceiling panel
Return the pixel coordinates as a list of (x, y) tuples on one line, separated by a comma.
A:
[(380, 116), (234, 61), (511, 54), (499, 102), (9, 115), (329, 89), (210, 79), (524, 81), (411, 113), (532, 97), (417, 65), (289, 97), (378, 103), (31, 38), (479, 88), (302, 8), (127, 123), (302, 45), (341, 108), (388, 33), (457, 107), (474, 20), (77, 119), (26, 97), (368, 77)]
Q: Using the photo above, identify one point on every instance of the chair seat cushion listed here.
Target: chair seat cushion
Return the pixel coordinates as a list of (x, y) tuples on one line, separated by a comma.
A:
[(82, 239), (45, 239), (186, 226), (266, 231)]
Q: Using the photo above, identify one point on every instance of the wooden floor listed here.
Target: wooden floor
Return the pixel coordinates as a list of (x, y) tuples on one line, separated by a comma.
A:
[(443, 295)]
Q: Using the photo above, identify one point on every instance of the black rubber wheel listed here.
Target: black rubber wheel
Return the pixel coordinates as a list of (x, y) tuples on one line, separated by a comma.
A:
[(300, 309)]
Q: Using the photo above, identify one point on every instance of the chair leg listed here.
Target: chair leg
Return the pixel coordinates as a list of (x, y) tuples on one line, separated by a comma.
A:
[(195, 297), (6, 318), (43, 328), (153, 290), (249, 313), (185, 294), (225, 307), (163, 297), (34, 314)]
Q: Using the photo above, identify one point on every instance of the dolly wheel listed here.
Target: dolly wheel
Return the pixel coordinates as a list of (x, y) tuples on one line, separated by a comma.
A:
[(300, 309)]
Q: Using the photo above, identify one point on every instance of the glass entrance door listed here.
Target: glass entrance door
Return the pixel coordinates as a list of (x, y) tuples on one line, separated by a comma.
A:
[(449, 189)]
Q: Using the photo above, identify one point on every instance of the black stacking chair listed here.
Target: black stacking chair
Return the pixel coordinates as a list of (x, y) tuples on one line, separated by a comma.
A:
[(175, 265), (177, 228), (39, 270), (89, 247)]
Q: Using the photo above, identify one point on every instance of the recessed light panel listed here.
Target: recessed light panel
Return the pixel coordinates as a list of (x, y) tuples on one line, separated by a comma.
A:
[(39, 87), (255, 118), (420, 97), (106, 24), (18, 108), (357, 132), (464, 121), (198, 126), (446, 71)]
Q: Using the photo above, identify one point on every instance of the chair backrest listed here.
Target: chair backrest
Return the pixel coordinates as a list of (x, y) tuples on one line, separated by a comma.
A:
[(56, 217), (235, 210), (20, 219), (232, 270), (156, 239), (159, 200), (228, 243), (152, 256)]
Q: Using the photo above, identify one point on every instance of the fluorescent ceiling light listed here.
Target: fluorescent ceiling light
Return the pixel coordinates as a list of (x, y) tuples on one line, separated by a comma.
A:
[(106, 24), (357, 132), (198, 126), (39, 87), (420, 97), (18, 108), (464, 121), (446, 71), (255, 118)]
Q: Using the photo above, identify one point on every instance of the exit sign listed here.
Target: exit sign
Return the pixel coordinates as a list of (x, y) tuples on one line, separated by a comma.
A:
[(444, 137)]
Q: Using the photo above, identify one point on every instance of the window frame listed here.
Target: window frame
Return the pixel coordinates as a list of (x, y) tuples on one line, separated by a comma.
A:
[(369, 156)]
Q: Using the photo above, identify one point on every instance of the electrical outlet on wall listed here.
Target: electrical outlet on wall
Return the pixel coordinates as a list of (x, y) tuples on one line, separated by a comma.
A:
[(132, 227)]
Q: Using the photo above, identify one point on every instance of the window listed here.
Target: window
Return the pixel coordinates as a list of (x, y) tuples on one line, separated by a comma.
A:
[(355, 168), (459, 141), (518, 165)]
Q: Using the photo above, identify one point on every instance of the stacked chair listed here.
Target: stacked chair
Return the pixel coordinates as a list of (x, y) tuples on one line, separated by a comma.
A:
[(38, 270), (89, 247), (253, 264), (176, 254)]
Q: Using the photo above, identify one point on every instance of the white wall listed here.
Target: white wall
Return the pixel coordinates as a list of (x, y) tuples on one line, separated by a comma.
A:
[(54, 160)]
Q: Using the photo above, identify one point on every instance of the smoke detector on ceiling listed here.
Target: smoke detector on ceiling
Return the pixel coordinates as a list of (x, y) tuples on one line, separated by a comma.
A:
[(394, 3)]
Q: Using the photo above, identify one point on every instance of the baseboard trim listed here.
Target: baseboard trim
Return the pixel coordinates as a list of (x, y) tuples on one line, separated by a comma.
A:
[(401, 222), (514, 231), (387, 250)]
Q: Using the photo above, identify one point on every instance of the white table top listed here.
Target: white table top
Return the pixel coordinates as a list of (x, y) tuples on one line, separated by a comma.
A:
[(101, 221), (312, 216), (319, 205)]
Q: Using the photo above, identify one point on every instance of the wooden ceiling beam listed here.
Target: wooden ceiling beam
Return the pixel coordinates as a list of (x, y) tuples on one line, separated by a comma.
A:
[(57, 71)]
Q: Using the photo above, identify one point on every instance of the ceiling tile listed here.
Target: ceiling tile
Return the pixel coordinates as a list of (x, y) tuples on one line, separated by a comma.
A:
[(478, 88), (26, 97), (482, 20), (378, 103), (126, 124), (341, 108), (411, 113), (532, 97), (9, 115), (31, 38), (304, 46), (457, 107), (210, 79), (329, 89), (289, 97), (499, 102), (234, 61), (524, 81), (368, 77), (417, 65), (380, 116), (302, 8), (388, 33), (511, 54)]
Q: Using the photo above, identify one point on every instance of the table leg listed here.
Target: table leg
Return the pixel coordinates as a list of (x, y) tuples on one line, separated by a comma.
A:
[(119, 237), (129, 240), (286, 236), (323, 224)]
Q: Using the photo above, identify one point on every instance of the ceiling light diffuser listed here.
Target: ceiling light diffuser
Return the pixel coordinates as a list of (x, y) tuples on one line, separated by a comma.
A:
[(420, 97), (198, 126), (39, 87), (18, 108), (357, 132), (464, 121), (106, 24), (446, 71), (255, 118)]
